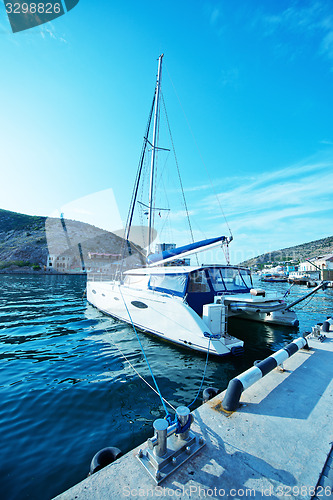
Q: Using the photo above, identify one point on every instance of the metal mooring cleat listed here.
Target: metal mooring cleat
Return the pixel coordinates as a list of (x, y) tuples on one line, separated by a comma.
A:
[(171, 445)]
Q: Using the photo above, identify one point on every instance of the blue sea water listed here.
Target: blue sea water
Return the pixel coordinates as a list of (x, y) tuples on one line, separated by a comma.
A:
[(67, 391)]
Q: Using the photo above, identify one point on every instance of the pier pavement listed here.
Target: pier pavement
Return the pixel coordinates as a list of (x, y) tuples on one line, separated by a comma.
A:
[(277, 445)]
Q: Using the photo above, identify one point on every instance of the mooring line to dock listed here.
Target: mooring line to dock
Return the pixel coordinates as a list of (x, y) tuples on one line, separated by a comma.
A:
[(139, 374), (204, 374), (145, 356), (157, 391)]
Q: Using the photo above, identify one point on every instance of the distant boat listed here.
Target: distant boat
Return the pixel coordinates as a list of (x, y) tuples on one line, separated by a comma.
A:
[(274, 279)]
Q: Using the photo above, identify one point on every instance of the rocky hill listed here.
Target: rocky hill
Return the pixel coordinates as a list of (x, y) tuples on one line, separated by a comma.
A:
[(22, 240), (294, 254), (26, 241)]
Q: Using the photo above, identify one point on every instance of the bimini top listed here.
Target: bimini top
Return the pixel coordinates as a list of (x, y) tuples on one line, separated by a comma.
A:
[(164, 270), (179, 269)]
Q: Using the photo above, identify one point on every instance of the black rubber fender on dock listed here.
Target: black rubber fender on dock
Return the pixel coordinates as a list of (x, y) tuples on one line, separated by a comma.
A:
[(103, 458), (209, 393)]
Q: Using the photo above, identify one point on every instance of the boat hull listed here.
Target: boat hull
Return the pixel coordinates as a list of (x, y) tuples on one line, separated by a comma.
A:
[(162, 315), (284, 318), (263, 309)]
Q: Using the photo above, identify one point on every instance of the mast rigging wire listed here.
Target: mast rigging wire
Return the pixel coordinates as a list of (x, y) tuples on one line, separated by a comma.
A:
[(135, 191), (208, 175), (178, 171)]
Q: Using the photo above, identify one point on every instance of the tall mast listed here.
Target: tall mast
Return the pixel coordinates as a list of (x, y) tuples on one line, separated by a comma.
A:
[(154, 147)]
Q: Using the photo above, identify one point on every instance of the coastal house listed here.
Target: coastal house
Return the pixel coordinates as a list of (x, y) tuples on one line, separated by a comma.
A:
[(291, 268), (58, 263), (322, 265), (101, 262)]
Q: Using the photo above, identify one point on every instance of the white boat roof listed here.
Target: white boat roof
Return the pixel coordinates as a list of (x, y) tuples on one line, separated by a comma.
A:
[(174, 269), (163, 270)]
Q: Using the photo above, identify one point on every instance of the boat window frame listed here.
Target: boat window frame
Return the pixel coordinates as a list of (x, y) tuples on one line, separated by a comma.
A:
[(205, 273), (227, 290), (248, 272), (168, 290), (212, 283)]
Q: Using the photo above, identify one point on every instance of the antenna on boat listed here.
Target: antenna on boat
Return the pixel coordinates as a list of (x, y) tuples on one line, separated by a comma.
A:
[(154, 147)]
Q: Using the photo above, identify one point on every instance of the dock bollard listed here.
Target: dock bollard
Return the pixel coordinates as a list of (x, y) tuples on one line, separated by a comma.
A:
[(160, 427), (238, 384), (326, 326), (183, 414), (158, 442), (171, 446)]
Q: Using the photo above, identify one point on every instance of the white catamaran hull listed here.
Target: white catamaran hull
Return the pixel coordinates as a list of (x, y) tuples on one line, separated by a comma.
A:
[(165, 316), (285, 318)]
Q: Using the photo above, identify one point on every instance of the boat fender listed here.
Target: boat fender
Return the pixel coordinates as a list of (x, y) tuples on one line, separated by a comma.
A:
[(257, 292), (209, 393), (326, 326), (103, 458)]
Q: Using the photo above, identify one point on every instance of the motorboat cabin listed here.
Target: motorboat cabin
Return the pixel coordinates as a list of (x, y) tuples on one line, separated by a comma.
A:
[(196, 285)]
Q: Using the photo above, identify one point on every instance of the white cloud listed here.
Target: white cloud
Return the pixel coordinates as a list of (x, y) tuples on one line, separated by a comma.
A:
[(277, 210), (48, 31), (215, 15)]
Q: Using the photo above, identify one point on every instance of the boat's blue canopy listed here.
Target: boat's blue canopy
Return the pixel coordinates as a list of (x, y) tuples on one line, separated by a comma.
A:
[(179, 252)]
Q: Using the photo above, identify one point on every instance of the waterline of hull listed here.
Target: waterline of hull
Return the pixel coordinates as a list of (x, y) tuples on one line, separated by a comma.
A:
[(160, 314)]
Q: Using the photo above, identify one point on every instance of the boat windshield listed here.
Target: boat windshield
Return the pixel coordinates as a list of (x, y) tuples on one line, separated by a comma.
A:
[(230, 279), (169, 283), (198, 282)]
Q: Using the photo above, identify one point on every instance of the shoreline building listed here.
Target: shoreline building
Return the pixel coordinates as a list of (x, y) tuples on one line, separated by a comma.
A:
[(322, 266)]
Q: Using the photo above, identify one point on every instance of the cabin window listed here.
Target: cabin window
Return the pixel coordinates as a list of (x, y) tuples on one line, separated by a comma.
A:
[(170, 283), (217, 280), (236, 279), (246, 277), (198, 282)]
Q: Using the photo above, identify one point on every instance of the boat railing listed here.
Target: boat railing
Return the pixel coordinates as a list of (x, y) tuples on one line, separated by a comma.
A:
[(101, 276)]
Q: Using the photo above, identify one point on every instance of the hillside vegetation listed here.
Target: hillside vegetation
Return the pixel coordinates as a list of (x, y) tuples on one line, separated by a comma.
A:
[(26, 241), (22, 240), (296, 254)]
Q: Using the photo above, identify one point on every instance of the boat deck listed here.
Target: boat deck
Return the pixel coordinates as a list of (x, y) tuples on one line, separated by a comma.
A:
[(277, 444)]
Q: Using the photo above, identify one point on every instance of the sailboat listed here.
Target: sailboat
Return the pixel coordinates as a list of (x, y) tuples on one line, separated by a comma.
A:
[(186, 305)]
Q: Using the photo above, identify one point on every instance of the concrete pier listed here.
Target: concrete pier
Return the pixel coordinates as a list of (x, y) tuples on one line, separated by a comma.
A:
[(277, 444)]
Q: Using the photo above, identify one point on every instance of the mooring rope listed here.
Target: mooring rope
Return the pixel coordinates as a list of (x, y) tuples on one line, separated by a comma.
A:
[(145, 356), (204, 373), (157, 390), (138, 373), (306, 303)]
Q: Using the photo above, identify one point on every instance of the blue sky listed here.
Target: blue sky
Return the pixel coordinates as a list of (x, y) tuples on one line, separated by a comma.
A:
[(248, 88)]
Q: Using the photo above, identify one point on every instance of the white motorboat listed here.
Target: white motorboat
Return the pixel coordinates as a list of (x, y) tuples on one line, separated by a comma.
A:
[(186, 305)]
